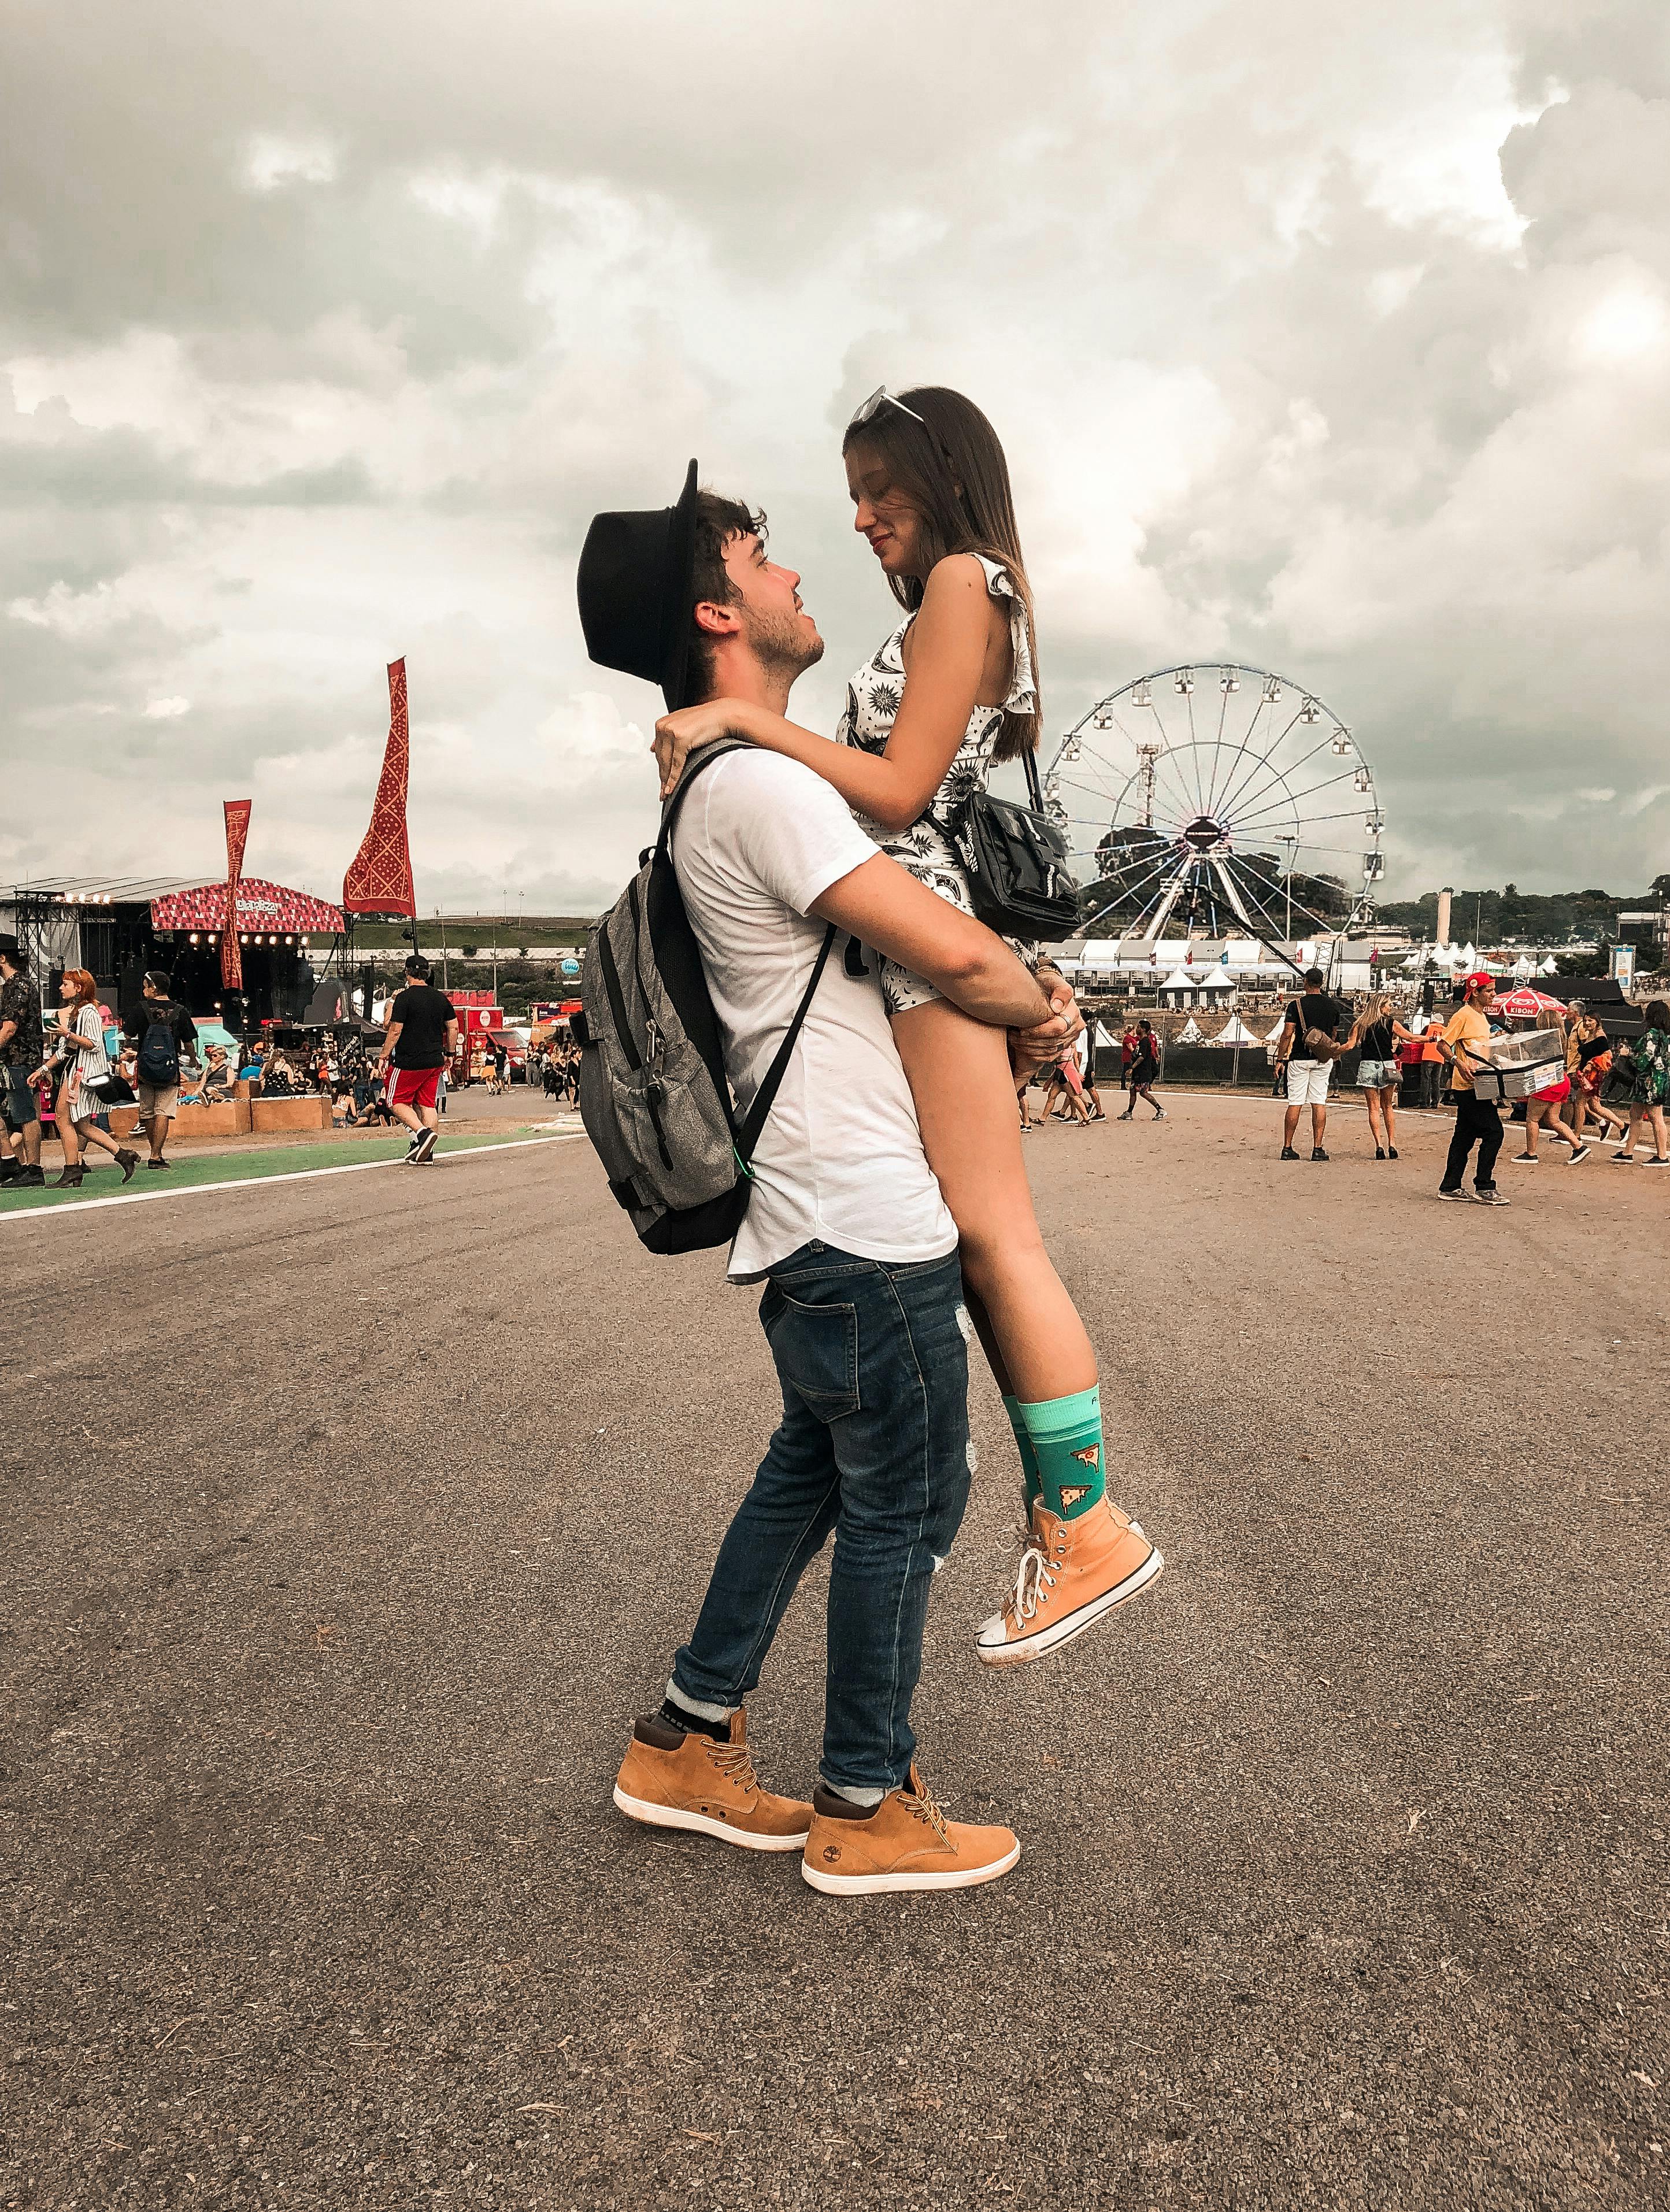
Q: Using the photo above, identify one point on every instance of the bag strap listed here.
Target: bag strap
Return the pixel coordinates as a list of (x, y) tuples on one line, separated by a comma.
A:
[(1030, 758), (765, 1097), (703, 756)]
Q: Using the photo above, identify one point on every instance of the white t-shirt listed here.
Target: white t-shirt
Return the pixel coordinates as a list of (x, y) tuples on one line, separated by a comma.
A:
[(841, 1159)]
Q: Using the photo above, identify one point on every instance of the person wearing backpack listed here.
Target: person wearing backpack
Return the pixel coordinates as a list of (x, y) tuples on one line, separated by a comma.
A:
[(1313, 1021), (164, 1035), (950, 693), (792, 908)]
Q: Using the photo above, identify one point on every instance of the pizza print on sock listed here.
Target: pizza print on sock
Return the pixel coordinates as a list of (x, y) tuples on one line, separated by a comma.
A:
[(1089, 1457), (1071, 1494)]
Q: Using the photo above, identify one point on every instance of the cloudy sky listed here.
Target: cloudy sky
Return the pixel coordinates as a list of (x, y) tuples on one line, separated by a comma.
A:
[(1334, 340)]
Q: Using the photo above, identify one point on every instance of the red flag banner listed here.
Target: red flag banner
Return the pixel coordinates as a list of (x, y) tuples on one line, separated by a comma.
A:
[(378, 881), (237, 812)]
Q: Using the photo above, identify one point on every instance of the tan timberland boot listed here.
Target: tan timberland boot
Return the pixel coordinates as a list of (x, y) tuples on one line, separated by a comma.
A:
[(1072, 1573), (672, 1779), (906, 1842)]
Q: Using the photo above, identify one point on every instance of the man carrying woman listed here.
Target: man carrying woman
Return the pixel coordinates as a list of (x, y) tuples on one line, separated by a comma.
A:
[(950, 692), (865, 1304)]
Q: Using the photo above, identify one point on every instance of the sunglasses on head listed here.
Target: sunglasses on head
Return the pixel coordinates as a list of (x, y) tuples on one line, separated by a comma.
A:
[(880, 397)]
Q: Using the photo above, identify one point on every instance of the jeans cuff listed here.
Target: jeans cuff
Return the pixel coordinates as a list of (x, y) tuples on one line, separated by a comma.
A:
[(855, 1794), (700, 1706)]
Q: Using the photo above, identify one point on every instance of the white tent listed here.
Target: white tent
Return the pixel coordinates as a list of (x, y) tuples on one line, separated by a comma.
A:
[(1219, 980), (1190, 1033), (1104, 1036), (1275, 1035), (1181, 980), (1525, 965), (1550, 967), (1235, 1031)]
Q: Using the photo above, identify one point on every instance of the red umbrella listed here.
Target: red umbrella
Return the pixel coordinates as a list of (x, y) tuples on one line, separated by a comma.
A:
[(1525, 1004)]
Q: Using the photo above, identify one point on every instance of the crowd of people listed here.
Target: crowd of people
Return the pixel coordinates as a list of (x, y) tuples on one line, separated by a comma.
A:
[(1619, 1084), (557, 1068)]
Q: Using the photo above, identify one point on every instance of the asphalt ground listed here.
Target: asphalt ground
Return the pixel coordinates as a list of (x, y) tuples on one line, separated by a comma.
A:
[(350, 1520)]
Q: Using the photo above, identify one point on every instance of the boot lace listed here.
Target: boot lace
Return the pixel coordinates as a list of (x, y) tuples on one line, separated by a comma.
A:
[(926, 1808), (734, 1764)]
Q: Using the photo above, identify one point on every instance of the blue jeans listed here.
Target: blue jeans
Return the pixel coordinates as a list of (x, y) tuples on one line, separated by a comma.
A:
[(873, 1444)]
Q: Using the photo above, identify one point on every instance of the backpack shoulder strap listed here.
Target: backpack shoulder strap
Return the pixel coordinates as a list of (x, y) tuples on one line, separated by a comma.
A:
[(703, 756), (765, 1097)]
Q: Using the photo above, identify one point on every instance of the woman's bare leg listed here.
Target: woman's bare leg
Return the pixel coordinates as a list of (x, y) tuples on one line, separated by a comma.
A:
[(1084, 1556), (958, 1072), (1377, 1119), (66, 1129), (1388, 1113)]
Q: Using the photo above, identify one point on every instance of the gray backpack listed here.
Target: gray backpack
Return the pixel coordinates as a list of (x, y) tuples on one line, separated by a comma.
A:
[(653, 1094)]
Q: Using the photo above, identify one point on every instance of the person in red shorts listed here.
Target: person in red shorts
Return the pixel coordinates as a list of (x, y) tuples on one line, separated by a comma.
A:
[(422, 1036)]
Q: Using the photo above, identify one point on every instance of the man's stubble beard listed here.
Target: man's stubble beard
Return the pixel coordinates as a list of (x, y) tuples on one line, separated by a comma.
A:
[(781, 645)]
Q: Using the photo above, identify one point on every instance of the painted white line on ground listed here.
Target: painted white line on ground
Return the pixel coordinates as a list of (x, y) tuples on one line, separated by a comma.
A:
[(257, 1182)]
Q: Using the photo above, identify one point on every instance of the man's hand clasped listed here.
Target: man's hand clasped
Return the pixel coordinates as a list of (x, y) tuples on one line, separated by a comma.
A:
[(1031, 1049)]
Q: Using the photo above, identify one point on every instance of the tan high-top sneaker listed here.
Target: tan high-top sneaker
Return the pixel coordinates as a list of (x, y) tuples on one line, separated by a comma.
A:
[(906, 1842), (1072, 1573), (671, 1779)]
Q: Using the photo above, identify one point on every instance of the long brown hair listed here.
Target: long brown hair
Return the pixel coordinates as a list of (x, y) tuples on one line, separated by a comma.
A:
[(82, 983), (950, 466)]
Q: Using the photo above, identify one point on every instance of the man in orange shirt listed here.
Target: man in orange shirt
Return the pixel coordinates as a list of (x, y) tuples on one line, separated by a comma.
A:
[(1477, 1121)]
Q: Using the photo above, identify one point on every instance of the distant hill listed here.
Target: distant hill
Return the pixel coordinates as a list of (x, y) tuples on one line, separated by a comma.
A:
[(1495, 917), (481, 930)]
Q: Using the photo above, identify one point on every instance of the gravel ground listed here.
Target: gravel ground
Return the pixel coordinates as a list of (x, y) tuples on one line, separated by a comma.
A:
[(350, 1521)]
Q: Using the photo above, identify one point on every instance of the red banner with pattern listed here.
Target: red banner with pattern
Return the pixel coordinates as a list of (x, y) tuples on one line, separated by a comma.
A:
[(379, 880), (237, 812)]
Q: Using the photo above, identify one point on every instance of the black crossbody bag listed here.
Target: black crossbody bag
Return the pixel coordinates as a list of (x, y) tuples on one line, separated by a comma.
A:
[(1016, 860)]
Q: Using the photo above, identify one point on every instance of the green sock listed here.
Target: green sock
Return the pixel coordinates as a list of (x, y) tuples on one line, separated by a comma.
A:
[(1066, 1439), (1035, 1481)]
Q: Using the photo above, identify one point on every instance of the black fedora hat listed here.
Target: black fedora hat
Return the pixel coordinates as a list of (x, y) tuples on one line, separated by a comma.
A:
[(636, 573)]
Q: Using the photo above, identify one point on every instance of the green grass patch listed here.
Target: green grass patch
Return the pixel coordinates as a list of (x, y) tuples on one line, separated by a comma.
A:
[(192, 1171)]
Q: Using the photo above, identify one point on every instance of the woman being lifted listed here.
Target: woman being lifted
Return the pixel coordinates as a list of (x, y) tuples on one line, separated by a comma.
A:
[(951, 691)]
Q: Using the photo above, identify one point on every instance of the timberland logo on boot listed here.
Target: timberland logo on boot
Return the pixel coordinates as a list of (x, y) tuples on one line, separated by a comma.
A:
[(1090, 1456), (832, 1852), (1071, 1495)]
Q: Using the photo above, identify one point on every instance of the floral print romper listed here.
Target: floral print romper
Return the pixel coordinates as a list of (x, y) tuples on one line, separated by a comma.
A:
[(873, 699)]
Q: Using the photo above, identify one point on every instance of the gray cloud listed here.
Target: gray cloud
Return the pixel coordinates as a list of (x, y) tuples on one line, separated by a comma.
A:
[(1318, 338)]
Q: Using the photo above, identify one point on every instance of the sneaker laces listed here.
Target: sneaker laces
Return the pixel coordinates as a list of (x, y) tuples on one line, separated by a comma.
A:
[(1033, 1579), (734, 1764)]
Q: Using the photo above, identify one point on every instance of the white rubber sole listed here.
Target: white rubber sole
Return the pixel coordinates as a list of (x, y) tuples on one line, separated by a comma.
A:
[(703, 1824), (1052, 1640), (878, 1884)]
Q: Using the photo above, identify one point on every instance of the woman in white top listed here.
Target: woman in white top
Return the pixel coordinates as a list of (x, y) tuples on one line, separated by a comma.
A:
[(951, 690), (79, 1060)]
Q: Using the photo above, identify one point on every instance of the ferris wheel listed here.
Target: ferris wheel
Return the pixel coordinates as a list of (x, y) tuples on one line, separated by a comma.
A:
[(1215, 801)]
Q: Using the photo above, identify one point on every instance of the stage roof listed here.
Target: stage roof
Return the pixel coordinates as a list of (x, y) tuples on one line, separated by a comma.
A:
[(97, 890), (261, 906)]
